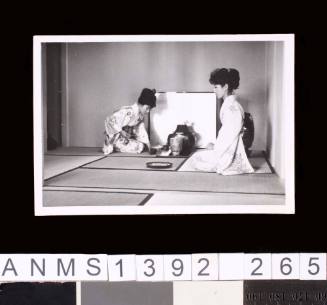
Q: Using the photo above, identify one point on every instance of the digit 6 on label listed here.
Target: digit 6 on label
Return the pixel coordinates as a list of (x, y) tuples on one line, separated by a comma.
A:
[(286, 266)]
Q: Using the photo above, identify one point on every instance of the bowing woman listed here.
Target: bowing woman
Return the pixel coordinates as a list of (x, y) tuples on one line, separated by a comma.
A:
[(125, 130), (227, 155)]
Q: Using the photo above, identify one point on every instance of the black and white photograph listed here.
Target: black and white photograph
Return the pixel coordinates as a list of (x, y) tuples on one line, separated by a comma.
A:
[(164, 124)]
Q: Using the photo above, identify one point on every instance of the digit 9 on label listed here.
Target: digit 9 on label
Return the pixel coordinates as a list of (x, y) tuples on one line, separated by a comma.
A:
[(178, 267)]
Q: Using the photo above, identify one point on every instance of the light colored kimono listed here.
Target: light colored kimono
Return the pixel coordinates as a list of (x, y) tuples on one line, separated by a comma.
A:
[(129, 119), (228, 156)]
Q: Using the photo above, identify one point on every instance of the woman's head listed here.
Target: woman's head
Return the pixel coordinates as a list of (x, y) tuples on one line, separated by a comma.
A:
[(147, 100), (225, 81)]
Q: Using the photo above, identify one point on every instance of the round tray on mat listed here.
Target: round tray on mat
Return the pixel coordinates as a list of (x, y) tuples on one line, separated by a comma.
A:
[(159, 165)]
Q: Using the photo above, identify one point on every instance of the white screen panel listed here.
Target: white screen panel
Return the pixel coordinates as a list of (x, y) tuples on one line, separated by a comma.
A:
[(176, 108)]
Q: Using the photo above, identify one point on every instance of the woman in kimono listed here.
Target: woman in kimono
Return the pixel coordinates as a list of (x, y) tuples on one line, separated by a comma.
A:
[(227, 155), (125, 130)]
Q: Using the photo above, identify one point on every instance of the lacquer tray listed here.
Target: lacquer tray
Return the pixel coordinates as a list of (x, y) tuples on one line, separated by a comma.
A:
[(159, 165)]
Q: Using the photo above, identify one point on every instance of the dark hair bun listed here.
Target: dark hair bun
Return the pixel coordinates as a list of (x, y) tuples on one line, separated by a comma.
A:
[(234, 79), (148, 97), (224, 76)]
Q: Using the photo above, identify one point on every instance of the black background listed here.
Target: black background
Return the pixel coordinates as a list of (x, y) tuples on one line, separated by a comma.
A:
[(22, 232)]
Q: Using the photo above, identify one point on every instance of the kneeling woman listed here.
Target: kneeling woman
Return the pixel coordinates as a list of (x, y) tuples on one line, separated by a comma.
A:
[(125, 130), (227, 155)]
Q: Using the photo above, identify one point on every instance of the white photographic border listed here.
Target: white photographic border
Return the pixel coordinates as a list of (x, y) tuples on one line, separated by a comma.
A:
[(289, 150)]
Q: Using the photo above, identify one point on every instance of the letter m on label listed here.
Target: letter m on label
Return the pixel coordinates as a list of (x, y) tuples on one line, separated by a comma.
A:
[(66, 269)]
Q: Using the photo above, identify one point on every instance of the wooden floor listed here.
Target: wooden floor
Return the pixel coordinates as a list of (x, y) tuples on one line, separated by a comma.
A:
[(69, 162)]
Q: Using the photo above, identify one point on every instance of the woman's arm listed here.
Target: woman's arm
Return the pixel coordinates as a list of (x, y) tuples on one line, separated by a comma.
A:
[(142, 134), (114, 127), (230, 129), (114, 124)]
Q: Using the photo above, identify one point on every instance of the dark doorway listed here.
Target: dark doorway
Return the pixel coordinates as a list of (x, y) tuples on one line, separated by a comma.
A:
[(54, 111)]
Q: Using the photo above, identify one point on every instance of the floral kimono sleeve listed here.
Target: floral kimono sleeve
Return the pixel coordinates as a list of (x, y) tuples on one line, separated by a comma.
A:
[(113, 126), (115, 123)]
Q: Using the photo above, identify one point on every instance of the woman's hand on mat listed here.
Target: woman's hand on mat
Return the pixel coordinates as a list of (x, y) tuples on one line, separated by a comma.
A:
[(210, 146), (108, 149)]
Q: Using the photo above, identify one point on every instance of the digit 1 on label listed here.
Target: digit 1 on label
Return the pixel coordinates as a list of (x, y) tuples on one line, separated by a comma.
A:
[(121, 268)]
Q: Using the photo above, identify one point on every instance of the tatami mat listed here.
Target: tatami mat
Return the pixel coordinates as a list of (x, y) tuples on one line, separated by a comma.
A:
[(213, 199), (76, 151), (260, 165), (134, 163), (56, 198), (167, 180), (94, 151), (55, 165)]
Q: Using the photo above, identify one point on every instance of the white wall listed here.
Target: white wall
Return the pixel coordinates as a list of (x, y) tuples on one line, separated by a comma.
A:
[(276, 141), (101, 77)]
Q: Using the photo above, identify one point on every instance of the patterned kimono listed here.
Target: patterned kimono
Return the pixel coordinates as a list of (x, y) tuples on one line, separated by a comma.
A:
[(125, 131), (228, 156)]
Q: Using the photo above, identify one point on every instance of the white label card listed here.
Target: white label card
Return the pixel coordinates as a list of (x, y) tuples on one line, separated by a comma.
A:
[(149, 268), (205, 267), (257, 266), (286, 266), (122, 268), (178, 267), (53, 267), (313, 266), (231, 266)]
